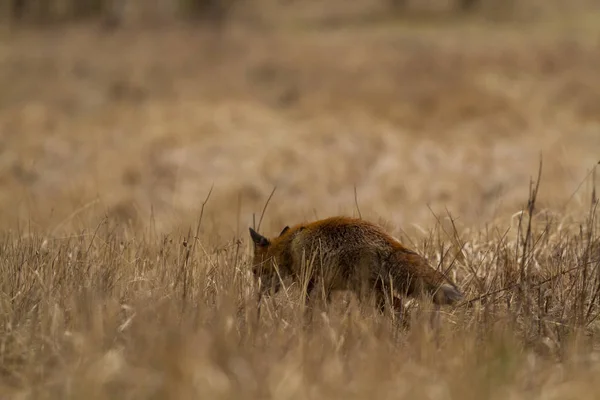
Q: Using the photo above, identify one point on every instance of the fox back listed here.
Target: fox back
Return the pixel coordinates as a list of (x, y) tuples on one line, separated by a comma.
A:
[(342, 253)]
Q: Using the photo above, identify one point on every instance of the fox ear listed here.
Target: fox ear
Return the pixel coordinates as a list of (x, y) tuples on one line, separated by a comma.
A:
[(258, 239), (284, 230)]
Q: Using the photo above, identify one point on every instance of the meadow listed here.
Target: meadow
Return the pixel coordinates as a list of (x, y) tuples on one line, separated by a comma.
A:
[(133, 161)]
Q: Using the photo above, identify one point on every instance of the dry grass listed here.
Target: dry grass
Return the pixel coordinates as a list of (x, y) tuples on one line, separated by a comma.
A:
[(96, 315), (113, 286)]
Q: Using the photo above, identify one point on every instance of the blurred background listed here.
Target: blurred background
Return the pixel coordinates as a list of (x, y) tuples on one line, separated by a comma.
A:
[(132, 110)]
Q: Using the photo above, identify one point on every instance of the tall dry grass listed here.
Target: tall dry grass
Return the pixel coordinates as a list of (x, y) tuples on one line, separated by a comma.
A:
[(99, 315), (116, 281)]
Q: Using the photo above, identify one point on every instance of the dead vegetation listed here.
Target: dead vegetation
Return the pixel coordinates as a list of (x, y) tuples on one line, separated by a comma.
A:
[(116, 281), (174, 316)]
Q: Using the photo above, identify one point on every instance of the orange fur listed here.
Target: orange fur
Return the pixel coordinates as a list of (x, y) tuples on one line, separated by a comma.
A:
[(342, 253)]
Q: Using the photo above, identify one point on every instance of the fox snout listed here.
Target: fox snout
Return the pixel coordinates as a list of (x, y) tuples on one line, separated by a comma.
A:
[(266, 282)]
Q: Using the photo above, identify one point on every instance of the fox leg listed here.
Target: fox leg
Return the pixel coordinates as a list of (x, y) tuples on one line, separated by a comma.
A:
[(314, 292), (314, 296), (310, 286), (395, 303), (380, 301), (381, 293)]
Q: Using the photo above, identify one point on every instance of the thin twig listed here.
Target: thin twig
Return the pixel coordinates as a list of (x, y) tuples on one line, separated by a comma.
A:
[(578, 187), (201, 215), (265, 208), (509, 287), (356, 202)]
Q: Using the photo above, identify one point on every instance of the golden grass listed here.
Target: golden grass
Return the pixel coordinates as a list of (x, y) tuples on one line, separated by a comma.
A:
[(174, 316), (112, 285)]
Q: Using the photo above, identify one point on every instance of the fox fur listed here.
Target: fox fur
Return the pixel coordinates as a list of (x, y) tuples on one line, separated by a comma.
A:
[(342, 253)]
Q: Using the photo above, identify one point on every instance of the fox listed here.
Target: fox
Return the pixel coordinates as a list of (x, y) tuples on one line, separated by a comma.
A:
[(343, 253)]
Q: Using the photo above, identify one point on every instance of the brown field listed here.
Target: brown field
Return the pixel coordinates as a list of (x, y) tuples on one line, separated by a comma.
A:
[(116, 281)]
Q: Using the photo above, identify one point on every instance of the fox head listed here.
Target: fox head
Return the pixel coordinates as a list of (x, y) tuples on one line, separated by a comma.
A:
[(265, 256)]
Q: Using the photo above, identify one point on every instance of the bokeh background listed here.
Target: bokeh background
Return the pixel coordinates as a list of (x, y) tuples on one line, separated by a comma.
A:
[(134, 109), (118, 118)]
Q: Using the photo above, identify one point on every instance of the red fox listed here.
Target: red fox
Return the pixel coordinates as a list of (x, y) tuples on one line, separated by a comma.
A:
[(342, 253)]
